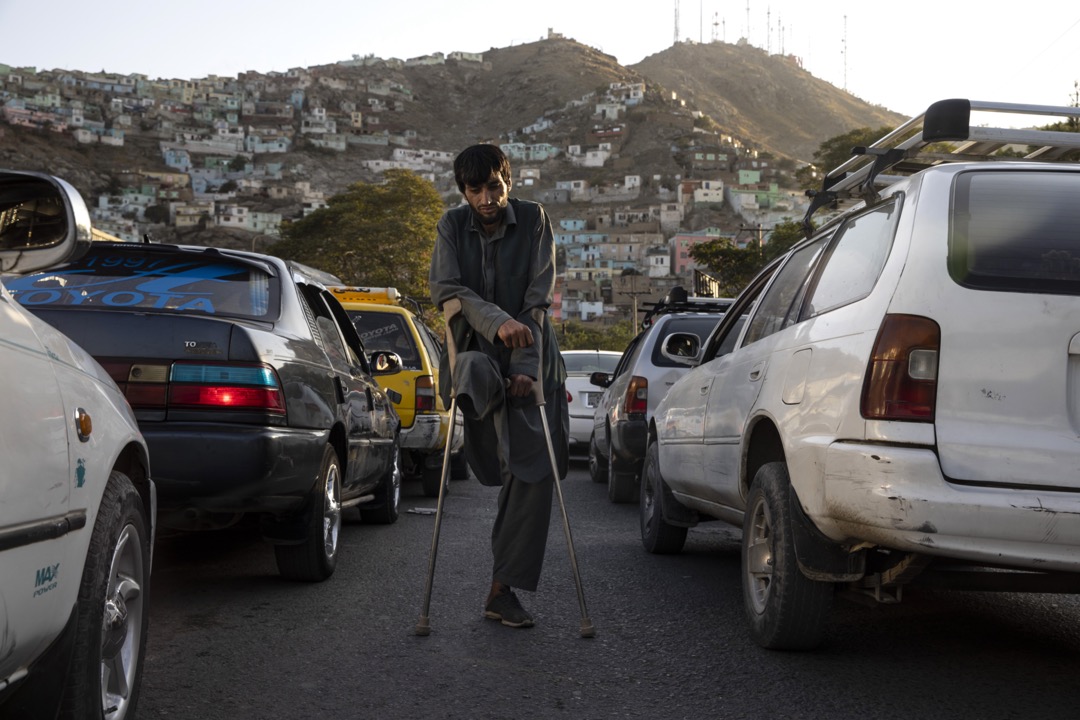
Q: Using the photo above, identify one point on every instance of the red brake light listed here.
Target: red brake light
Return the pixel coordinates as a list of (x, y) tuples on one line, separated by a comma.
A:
[(241, 398), (425, 393), (901, 376), (637, 395)]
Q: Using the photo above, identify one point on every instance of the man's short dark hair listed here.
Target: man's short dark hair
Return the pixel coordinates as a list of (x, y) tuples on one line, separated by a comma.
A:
[(475, 164)]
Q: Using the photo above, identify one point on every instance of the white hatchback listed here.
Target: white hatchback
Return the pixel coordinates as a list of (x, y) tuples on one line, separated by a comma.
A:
[(902, 403), (77, 505)]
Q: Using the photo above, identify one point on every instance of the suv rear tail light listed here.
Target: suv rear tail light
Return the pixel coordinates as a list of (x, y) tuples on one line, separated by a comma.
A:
[(425, 393), (637, 395), (901, 376)]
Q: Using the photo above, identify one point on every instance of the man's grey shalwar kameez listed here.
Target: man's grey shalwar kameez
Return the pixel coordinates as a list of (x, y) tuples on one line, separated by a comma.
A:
[(510, 274)]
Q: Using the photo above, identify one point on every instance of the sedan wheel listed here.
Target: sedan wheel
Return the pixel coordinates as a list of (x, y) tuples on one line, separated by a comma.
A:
[(315, 558)]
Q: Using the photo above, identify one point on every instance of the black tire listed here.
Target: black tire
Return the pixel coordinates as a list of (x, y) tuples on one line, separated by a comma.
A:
[(786, 609), (114, 595), (459, 466), (657, 536), (622, 486), (387, 506), (314, 559), (598, 464), (429, 481)]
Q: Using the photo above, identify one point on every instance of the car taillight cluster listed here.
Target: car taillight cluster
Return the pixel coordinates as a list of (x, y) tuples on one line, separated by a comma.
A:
[(183, 385), (425, 393), (637, 395), (901, 376)]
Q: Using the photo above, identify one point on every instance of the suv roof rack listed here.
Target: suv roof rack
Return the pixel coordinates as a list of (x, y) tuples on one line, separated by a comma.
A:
[(677, 300), (942, 134)]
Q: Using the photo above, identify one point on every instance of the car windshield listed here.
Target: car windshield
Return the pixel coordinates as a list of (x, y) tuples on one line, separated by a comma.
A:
[(126, 278), (586, 363), (386, 331)]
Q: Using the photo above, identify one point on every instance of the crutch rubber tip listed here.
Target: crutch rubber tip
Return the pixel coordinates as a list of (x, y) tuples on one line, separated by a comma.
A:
[(587, 629), (423, 628)]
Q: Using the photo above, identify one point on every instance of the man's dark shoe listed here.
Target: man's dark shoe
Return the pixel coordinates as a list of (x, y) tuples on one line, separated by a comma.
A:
[(506, 608)]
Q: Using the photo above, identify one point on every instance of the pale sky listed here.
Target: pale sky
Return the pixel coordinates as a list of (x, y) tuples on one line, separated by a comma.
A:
[(901, 55)]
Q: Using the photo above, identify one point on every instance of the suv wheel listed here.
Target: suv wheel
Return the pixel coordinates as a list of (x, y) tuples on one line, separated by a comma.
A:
[(598, 467), (621, 486), (786, 609), (113, 609), (656, 535)]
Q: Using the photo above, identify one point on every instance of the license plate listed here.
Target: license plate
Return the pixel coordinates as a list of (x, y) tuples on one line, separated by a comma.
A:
[(592, 399)]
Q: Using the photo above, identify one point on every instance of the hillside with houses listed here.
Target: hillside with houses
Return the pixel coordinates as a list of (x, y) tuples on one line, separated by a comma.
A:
[(633, 172)]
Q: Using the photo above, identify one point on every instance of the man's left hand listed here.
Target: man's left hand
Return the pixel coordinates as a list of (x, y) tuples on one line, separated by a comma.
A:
[(520, 386)]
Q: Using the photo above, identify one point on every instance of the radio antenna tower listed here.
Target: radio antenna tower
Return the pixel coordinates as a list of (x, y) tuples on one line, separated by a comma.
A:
[(676, 41), (843, 51)]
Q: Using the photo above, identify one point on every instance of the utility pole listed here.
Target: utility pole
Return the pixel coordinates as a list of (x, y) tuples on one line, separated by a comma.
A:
[(633, 293)]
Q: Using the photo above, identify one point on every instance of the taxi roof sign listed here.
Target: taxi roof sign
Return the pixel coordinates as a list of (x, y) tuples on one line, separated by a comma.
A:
[(383, 295)]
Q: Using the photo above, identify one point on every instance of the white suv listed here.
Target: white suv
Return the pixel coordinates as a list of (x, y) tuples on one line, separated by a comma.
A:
[(77, 505), (904, 399)]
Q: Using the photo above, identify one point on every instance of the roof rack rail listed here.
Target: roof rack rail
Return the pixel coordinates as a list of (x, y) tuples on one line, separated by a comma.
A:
[(677, 300), (942, 134)]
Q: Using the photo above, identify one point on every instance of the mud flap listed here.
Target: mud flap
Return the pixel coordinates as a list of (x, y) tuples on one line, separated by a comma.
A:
[(819, 557)]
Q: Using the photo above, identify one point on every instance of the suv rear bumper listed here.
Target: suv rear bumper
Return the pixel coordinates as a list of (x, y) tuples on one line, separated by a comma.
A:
[(229, 468), (897, 497), (428, 433), (628, 439)]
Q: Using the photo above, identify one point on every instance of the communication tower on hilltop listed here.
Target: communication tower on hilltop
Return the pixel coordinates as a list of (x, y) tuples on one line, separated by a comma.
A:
[(676, 41)]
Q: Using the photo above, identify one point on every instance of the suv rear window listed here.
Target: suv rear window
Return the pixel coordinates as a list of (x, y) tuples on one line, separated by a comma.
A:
[(181, 282), (1016, 231)]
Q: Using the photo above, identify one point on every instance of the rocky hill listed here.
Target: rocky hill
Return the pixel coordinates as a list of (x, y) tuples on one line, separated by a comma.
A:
[(765, 102)]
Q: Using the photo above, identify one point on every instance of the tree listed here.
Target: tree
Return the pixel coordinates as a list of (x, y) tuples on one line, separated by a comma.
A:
[(835, 151), (379, 235), (577, 336), (157, 214), (735, 267)]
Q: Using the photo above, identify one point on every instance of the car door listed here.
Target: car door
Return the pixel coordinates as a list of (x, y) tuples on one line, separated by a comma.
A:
[(36, 483), (741, 374)]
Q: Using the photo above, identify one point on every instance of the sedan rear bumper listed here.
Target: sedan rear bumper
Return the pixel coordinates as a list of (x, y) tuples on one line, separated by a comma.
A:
[(230, 468)]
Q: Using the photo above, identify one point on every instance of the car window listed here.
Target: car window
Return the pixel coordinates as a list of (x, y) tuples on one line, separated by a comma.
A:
[(854, 260), (332, 332), (700, 326), (1017, 230), (777, 308), (387, 331), (629, 356), (589, 363), (176, 282), (431, 343)]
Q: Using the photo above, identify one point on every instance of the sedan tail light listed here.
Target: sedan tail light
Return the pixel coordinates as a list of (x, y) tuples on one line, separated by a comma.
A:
[(901, 376), (637, 395), (227, 386)]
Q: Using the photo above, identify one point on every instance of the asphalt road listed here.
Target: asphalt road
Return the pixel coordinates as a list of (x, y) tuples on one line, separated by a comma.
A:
[(230, 639)]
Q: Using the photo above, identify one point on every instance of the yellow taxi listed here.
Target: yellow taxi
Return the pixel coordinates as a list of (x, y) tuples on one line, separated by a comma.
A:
[(384, 322)]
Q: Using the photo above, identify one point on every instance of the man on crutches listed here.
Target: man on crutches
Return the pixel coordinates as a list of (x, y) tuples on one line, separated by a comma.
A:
[(494, 262)]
